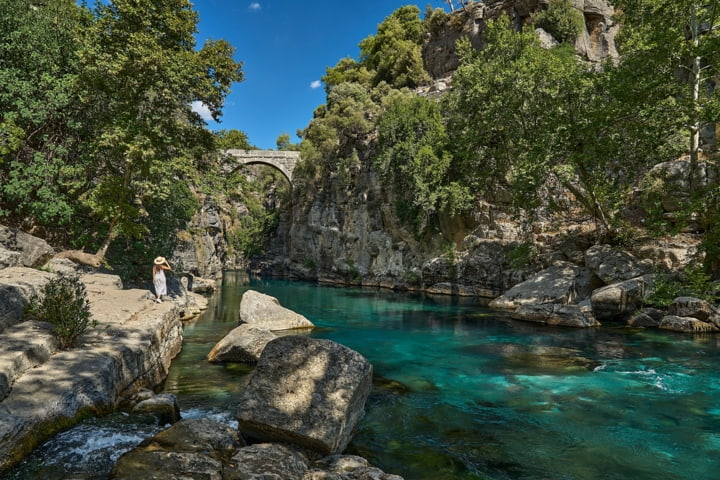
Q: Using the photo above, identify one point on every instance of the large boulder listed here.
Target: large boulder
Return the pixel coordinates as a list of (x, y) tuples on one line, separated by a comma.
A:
[(695, 308), (265, 312), (561, 284), (686, 324), (306, 391), (612, 265), (244, 344), (28, 251), (556, 314), (620, 299)]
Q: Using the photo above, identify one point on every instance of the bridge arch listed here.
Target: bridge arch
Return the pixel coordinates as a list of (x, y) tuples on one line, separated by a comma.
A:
[(282, 160)]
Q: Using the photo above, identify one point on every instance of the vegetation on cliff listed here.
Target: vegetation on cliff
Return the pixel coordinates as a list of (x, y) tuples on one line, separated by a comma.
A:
[(528, 123), (97, 126)]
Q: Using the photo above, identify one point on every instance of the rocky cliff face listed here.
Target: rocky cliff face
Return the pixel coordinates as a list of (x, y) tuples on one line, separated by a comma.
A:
[(595, 44), (348, 233)]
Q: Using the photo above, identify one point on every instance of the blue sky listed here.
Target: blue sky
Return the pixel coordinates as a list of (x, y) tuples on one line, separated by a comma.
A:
[(285, 47)]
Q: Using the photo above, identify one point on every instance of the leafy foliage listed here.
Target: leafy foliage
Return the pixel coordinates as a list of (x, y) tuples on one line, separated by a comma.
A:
[(561, 20), (63, 302), (96, 111), (393, 55), (692, 282), (413, 156), (39, 108)]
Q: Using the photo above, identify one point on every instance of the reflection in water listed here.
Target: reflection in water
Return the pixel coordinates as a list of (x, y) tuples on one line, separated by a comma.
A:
[(462, 392)]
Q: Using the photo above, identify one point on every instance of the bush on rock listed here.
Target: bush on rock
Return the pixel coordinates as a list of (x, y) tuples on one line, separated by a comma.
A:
[(63, 302)]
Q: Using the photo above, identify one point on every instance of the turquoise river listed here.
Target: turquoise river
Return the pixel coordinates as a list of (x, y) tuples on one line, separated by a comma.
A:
[(461, 392)]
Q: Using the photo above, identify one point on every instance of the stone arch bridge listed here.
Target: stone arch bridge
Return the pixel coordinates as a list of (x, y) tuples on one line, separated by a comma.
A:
[(284, 161)]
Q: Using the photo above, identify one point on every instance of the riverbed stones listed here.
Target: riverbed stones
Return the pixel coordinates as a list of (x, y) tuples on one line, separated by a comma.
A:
[(267, 461), (163, 406), (207, 449), (686, 324), (243, 344), (265, 312), (306, 391), (192, 448)]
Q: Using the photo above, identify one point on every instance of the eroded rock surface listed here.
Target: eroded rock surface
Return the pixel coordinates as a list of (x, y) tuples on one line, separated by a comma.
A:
[(306, 391)]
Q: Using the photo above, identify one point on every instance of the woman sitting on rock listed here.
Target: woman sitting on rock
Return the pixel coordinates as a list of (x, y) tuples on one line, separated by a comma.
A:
[(158, 276)]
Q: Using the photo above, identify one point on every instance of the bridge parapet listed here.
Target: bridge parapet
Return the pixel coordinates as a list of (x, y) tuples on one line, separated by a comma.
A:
[(283, 160)]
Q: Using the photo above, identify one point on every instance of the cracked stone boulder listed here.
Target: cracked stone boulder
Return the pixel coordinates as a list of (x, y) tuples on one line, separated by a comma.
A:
[(265, 312), (305, 391)]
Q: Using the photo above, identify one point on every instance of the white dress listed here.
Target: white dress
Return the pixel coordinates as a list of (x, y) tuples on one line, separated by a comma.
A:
[(159, 281)]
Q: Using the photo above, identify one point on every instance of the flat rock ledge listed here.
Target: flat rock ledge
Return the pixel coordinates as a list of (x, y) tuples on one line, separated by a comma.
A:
[(44, 391)]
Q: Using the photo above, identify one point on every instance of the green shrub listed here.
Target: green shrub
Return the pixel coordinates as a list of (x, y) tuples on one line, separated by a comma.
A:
[(692, 282), (522, 255), (63, 303), (561, 20)]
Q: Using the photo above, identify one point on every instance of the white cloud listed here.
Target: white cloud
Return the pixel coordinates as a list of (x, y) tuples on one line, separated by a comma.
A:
[(202, 110), (315, 84), (255, 7)]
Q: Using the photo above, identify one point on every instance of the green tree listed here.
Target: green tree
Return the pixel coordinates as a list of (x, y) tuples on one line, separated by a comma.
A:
[(676, 45), (561, 20), (394, 53), (671, 56), (332, 138), (527, 123), (413, 156), (142, 73), (40, 108), (283, 143), (232, 139)]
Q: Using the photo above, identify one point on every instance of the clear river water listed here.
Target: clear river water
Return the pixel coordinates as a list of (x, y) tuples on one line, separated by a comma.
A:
[(461, 392)]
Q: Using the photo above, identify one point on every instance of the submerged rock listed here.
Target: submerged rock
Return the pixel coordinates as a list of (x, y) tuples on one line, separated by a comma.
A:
[(163, 406), (306, 391)]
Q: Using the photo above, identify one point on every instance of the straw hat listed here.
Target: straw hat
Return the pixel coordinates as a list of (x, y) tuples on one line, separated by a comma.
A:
[(159, 261)]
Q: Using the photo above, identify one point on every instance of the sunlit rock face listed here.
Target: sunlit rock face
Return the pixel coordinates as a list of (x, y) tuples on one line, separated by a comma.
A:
[(306, 391)]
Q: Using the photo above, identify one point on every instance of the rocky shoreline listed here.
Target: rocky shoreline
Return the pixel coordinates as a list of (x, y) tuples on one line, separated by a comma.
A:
[(44, 391)]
